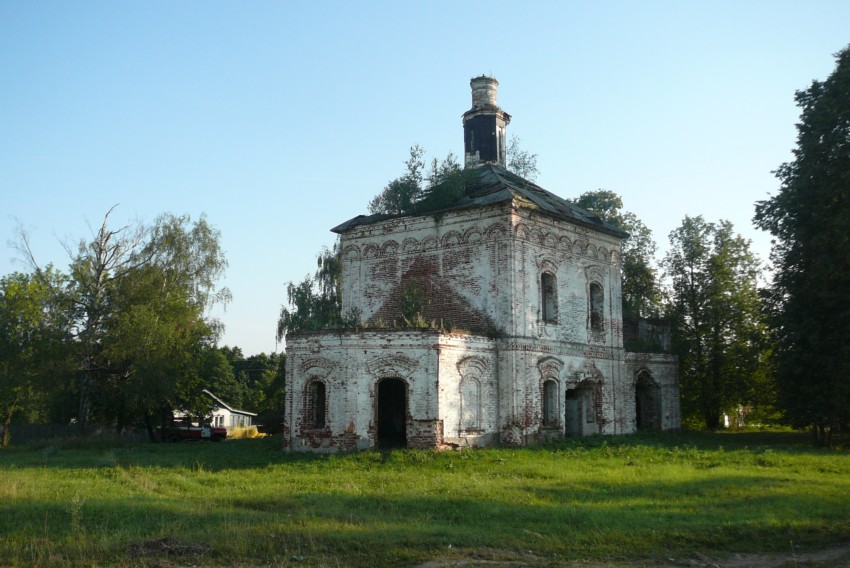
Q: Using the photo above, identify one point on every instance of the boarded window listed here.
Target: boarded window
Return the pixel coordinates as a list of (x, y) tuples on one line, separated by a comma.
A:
[(470, 404), (316, 404), (597, 301), (548, 287)]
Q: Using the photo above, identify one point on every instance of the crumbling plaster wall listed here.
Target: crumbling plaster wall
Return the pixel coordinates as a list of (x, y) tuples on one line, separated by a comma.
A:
[(492, 258), (525, 364), (464, 251), (350, 364), (469, 390), (663, 368)]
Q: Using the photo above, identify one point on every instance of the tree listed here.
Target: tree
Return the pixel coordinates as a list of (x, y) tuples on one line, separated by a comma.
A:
[(316, 302), (262, 378), (399, 195), (811, 254), (419, 192), (159, 333), (32, 331), (718, 331), (137, 297), (521, 162), (642, 295)]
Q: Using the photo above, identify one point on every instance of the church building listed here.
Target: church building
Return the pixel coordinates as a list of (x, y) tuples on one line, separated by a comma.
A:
[(519, 334)]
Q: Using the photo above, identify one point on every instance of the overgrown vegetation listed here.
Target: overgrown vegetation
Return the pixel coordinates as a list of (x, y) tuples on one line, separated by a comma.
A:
[(646, 498), (642, 292)]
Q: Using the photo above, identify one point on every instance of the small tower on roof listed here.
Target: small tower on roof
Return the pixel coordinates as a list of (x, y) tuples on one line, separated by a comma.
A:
[(485, 125)]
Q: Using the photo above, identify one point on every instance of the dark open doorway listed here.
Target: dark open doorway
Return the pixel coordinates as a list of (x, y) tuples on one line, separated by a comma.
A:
[(647, 403), (392, 414)]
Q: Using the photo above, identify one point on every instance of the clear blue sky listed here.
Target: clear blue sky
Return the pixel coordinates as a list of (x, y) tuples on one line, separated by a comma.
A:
[(280, 120)]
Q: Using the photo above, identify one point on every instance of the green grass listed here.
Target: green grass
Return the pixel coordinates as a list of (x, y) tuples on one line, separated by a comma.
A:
[(245, 502)]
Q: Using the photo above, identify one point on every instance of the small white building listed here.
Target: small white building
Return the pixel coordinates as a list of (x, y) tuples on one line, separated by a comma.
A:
[(223, 415), (524, 290)]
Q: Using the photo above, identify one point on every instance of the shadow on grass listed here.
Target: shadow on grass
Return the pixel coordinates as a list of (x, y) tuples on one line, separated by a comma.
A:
[(394, 524), (254, 453)]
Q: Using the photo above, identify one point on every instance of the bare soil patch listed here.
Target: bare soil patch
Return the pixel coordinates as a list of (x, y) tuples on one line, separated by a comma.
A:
[(835, 557)]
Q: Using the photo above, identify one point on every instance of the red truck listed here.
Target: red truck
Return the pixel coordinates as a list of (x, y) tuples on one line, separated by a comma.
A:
[(180, 432)]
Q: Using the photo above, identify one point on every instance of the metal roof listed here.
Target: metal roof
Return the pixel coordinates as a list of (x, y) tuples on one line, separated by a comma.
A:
[(494, 184)]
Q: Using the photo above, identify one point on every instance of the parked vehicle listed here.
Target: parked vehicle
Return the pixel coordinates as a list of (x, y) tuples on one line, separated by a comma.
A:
[(182, 431)]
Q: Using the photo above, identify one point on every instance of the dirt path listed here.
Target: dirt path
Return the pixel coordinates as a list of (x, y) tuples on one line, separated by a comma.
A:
[(835, 557)]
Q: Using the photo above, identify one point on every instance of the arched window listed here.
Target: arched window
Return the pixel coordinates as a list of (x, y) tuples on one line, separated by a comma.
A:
[(316, 400), (549, 297), (550, 403), (597, 301)]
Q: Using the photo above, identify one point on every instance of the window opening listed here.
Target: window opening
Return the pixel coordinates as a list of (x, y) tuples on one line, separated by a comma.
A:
[(548, 286), (317, 404), (550, 403), (596, 306)]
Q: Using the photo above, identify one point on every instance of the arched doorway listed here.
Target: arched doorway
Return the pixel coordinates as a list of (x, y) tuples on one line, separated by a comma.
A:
[(647, 403), (392, 413)]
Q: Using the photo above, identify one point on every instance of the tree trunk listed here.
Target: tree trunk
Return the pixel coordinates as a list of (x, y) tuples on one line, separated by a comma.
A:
[(7, 423), (85, 402), (7, 436), (149, 427)]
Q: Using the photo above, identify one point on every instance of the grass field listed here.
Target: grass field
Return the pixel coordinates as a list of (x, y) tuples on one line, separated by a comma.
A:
[(640, 499)]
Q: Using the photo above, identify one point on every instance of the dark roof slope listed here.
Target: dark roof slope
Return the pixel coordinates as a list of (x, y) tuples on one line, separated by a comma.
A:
[(494, 184)]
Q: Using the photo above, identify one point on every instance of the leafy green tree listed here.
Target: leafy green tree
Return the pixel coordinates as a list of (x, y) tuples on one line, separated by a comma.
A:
[(32, 329), (137, 296), (262, 377), (399, 195), (718, 331), (521, 162), (811, 254), (418, 191), (150, 349), (316, 302), (642, 295)]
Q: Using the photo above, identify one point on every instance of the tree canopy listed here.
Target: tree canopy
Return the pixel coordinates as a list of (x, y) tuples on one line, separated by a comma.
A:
[(134, 315), (718, 329), (808, 218), (32, 344), (421, 190), (642, 294)]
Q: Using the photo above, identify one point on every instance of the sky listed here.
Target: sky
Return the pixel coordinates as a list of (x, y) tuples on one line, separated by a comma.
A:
[(280, 120)]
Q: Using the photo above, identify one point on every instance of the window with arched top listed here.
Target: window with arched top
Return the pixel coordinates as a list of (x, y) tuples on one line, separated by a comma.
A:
[(597, 302), (550, 403), (549, 297), (316, 403)]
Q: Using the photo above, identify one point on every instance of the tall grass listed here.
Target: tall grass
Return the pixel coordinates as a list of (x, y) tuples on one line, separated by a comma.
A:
[(245, 502)]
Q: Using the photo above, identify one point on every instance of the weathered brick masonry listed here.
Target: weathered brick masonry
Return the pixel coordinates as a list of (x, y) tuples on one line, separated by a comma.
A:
[(533, 282)]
